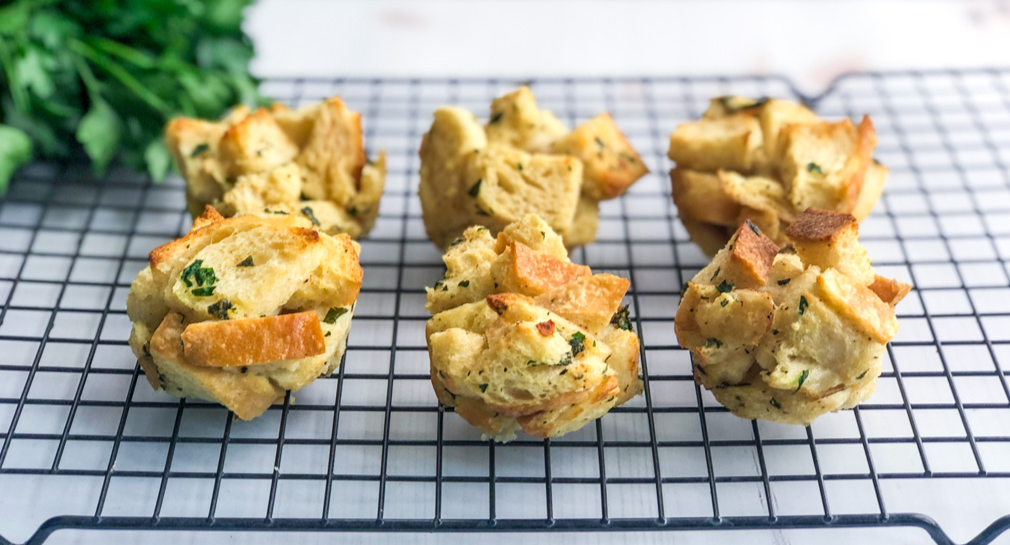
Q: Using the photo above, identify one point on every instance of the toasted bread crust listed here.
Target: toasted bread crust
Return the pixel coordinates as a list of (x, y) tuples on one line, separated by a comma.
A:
[(252, 341), (753, 252), (820, 225), (889, 291), (540, 272)]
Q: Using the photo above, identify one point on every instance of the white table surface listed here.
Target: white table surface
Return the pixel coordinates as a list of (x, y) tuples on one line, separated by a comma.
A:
[(809, 42)]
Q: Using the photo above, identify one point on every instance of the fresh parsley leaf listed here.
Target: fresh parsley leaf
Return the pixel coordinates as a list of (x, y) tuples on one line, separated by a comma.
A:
[(204, 291), (576, 343), (784, 282), (622, 318), (496, 117), (483, 388), (803, 305), (99, 132), (863, 374), (333, 314), (712, 341), (190, 270), (220, 309), (247, 262), (715, 274), (201, 148), (464, 284), (724, 287), (814, 168), (312, 217), (475, 189), (803, 378), (15, 151), (754, 228), (775, 403)]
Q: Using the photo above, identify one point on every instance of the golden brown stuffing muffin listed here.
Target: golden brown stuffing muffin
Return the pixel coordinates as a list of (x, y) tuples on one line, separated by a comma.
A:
[(241, 310), (309, 161), (523, 161), (523, 338), (767, 161), (789, 335)]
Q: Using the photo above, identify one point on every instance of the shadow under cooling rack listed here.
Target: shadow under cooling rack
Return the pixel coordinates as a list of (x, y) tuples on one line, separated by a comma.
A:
[(87, 444)]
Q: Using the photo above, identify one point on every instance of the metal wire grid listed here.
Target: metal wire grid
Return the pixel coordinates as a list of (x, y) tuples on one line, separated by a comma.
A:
[(369, 449)]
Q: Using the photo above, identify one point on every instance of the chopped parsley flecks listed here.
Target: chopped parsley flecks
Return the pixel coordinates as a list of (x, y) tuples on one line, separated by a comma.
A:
[(754, 228), (247, 262), (724, 302), (203, 277), (814, 168), (863, 374), (576, 343), (312, 217), (784, 282), (199, 149), (715, 274), (333, 314), (600, 142), (483, 388), (712, 341), (622, 318), (496, 117), (724, 287), (803, 378), (457, 241), (464, 284), (563, 371), (803, 305), (475, 188), (220, 309), (775, 403)]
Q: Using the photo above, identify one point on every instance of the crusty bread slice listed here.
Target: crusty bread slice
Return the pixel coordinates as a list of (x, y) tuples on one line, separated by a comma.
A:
[(244, 393), (531, 273), (255, 144), (731, 142), (830, 239), (703, 197), (253, 341), (589, 301), (611, 164)]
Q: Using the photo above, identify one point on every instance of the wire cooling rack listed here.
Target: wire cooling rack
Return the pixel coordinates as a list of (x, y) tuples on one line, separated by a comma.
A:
[(87, 444)]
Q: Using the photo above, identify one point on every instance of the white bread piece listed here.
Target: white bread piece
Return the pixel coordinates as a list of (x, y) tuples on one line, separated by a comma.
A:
[(787, 336), (278, 158), (521, 338), (241, 310), (523, 161)]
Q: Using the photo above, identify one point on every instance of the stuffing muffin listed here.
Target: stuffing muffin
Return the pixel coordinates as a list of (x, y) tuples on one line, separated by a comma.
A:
[(523, 161), (522, 338), (789, 335), (242, 310), (767, 161), (309, 161)]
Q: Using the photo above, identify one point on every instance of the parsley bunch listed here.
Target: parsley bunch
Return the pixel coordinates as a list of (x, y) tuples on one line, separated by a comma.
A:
[(103, 76)]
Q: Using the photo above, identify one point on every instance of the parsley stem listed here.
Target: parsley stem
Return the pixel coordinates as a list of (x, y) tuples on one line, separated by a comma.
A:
[(118, 72)]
